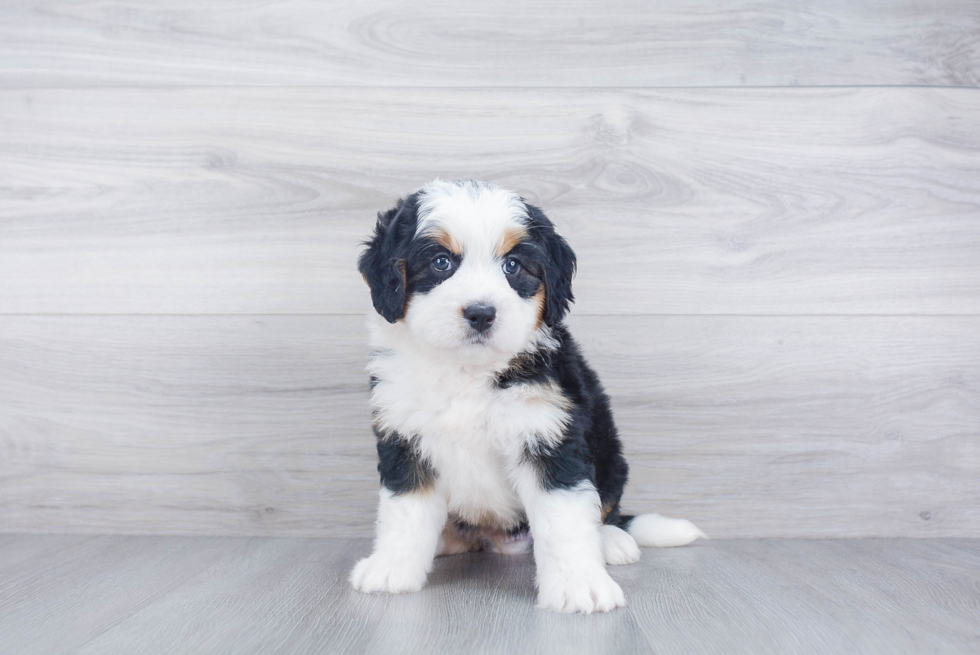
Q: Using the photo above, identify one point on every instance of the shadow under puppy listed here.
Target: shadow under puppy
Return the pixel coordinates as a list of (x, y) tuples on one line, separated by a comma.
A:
[(492, 431)]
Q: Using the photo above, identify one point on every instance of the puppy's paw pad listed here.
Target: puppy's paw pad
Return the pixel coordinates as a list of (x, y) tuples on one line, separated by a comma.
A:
[(378, 573), (588, 592), (618, 547)]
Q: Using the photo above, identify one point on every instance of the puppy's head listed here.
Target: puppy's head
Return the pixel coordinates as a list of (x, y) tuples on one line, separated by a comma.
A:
[(469, 267)]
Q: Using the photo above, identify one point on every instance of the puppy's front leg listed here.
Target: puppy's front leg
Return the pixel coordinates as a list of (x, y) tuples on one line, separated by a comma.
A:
[(408, 529), (571, 571)]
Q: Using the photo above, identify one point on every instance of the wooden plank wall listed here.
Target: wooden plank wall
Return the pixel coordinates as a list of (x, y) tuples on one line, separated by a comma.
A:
[(776, 208)]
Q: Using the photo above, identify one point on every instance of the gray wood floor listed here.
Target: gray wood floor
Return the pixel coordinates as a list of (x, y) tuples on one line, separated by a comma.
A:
[(148, 595)]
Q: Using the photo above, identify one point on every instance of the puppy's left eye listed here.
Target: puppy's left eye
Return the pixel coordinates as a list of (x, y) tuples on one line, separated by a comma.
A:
[(511, 266), (442, 263)]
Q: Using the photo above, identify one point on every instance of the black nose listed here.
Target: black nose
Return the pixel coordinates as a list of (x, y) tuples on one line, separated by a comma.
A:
[(480, 316)]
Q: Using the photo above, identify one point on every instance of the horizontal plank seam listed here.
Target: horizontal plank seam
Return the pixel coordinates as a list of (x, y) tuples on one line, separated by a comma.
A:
[(178, 87), (351, 314)]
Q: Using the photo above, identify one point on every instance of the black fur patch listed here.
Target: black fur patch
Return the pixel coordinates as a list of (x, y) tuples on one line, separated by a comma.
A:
[(468, 528), (397, 265), (383, 263), (590, 449), (530, 276), (557, 265), (525, 368), (564, 466), (401, 467), (619, 520), (422, 276)]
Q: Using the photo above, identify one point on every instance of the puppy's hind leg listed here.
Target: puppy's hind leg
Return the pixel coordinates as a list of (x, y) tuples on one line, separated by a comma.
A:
[(618, 547), (454, 541)]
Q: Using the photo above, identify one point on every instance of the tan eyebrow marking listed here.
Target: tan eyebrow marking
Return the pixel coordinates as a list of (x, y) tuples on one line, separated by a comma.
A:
[(512, 237), (447, 241)]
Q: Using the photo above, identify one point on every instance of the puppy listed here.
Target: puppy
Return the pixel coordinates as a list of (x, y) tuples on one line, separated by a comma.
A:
[(492, 431)]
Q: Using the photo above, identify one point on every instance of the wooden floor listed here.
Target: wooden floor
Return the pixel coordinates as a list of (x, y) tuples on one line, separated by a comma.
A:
[(116, 594)]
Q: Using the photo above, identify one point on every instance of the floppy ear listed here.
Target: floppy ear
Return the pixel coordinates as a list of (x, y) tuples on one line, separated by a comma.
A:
[(558, 269), (383, 263)]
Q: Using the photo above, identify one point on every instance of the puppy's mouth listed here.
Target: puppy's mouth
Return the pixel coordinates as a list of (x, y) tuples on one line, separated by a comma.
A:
[(478, 338)]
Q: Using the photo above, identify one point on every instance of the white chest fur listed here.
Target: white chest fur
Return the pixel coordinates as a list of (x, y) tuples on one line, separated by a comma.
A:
[(471, 432)]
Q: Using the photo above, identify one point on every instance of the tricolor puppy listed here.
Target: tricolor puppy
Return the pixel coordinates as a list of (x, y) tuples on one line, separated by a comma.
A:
[(492, 431)]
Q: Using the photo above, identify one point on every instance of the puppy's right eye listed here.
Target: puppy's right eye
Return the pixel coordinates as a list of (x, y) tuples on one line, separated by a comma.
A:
[(442, 263)]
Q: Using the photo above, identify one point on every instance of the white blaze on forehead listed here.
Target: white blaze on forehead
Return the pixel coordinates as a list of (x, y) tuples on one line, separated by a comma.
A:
[(476, 215)]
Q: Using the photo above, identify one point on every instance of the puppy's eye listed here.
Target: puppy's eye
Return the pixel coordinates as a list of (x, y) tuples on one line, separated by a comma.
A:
[(511, 266), (442, 263)]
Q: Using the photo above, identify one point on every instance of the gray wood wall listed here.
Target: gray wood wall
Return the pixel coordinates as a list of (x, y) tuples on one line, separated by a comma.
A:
[(776, 207)]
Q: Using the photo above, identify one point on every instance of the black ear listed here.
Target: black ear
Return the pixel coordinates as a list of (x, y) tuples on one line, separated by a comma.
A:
[(559, 267), (383, 263)]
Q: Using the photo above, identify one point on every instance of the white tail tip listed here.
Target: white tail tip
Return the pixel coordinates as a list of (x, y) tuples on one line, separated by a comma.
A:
[(653, 530)]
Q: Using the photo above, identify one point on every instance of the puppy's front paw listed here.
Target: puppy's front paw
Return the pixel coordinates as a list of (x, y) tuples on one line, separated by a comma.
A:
[(379, 573), (585, 591)]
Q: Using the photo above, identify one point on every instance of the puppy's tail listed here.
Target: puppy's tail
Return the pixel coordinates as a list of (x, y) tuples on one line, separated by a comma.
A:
[(656, 531)]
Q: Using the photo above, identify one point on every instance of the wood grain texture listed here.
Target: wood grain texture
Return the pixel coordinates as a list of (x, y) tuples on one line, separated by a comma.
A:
[(779, 279), (205, 595), (98, 582), (750, 426), (46, 43), (792, 201)]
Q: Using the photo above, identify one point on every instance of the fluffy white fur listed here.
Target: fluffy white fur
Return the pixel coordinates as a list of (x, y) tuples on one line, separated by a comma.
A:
[(571, 574), (474, 438), (405, 544)]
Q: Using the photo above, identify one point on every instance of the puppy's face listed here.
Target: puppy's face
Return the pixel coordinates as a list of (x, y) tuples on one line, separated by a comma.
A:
[(471, 269)]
